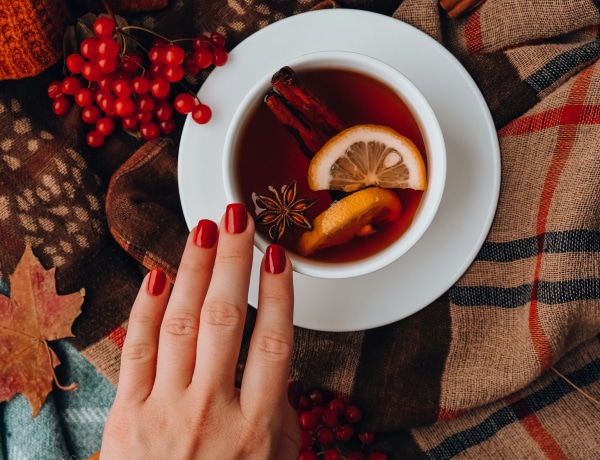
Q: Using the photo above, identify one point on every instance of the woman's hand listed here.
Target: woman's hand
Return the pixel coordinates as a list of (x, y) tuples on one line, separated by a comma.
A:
[(176, 397)]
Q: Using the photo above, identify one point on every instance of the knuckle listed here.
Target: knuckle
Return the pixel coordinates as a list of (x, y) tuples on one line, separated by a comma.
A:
[(139, 352), (276, 298), (143, 317), (222, 314), (196, 267), (181, 324), (273, 345), (233, 257)]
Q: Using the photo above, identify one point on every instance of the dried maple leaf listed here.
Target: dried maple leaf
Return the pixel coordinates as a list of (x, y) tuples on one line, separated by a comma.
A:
[(32, 316)]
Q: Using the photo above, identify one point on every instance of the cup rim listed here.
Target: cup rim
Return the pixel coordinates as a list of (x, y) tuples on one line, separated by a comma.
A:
[(432, 136)]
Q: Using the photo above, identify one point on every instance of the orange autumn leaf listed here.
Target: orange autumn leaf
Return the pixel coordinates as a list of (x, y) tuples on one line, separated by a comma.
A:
[(33, 315)]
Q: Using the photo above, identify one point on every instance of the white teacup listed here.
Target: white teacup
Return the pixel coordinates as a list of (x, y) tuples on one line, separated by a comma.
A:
[(433, 141)]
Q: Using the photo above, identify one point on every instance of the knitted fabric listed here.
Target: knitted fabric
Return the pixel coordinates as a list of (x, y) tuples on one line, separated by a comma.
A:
[(31, 39)]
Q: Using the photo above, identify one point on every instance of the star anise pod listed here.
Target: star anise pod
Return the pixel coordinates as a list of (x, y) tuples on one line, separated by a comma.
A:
[(283, 211)]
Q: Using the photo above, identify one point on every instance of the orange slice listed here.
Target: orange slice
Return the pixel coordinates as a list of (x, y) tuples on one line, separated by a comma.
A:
[(355, 214), (365, 155)]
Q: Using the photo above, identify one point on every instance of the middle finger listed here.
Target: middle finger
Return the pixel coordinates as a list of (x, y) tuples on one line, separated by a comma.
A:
[(224, 310)]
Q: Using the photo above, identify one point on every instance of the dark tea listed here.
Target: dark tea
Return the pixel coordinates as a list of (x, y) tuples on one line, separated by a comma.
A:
[(269, 157)]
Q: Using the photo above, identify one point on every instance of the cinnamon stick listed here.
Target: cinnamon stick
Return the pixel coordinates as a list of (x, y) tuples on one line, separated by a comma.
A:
[(309, 140), (456, 8), (306, 102)]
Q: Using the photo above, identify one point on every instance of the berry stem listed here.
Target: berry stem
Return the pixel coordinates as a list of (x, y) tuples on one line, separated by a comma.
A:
[(156, 34), (109, 10)]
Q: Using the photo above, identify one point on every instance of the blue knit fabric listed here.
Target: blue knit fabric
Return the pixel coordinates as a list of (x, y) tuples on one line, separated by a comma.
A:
[(69, 425)]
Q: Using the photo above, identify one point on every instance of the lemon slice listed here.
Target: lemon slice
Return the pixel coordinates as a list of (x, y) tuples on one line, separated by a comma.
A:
[(365, 155), (355, 214)]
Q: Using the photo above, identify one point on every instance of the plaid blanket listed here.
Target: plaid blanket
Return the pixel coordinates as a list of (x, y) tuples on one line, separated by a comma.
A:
[(506, 364)]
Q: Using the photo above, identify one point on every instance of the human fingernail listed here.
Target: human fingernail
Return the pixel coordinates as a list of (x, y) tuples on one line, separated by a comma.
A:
[(206, 234), (294, 392), (157, 281), (236, 218), (274, 259)]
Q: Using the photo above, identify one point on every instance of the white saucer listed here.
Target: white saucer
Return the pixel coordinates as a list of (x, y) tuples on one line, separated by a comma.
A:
[(465, 214)]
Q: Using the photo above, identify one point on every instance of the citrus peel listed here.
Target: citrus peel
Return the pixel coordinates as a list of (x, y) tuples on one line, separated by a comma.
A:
[(367, 155), (357, 214)]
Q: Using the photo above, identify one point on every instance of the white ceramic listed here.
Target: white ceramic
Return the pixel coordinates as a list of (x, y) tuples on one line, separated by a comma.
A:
[(462, 222), (426, 121)]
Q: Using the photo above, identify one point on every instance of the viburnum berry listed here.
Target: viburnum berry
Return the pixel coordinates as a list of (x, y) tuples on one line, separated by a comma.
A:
[(366, 437), (145, 102), (174, 55), (160, 87), (149, 130), (105, 126), (167, 126), (202, 58), (70, 85), (124, 107), (217, 38), (325, 436), (74, 62), (157, 54), (54, 89), (141, 84), (337, 405), (143, 116), (330, 418), (84, 97), (317, 397), (184, 103), (344, 433), (88, 48), (308, 420), (105, 83), (91, 114), (61, 105), (174, 73), (122, 87), (91, 71), (220, 56), (129, 123), (94, 139), (108, 64), (201, 114), (333, 454), (131, 62), (104, 26), (353, 414), (163, 110), (107, 47)]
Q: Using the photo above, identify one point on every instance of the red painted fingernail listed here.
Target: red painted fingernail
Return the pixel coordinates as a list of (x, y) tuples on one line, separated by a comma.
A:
[(274, 259), (236, 218), (206, 234), (157, 281)]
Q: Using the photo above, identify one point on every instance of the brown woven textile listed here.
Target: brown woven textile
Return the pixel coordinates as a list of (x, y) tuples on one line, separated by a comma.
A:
[(470, 376), (31, 38)]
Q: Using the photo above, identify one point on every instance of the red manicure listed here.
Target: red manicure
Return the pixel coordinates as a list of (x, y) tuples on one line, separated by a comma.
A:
[(236, 218), (157, 281), (274, 259), (206, 234)]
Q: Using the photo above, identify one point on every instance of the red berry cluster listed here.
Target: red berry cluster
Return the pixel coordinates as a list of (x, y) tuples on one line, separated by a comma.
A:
[(111, 84), (328, 427)]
